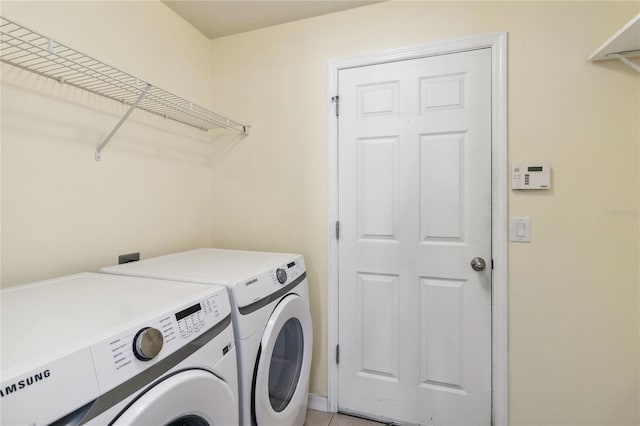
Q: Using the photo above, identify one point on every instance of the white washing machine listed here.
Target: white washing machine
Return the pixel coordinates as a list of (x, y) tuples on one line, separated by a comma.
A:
[(272, 322), (103, 349)]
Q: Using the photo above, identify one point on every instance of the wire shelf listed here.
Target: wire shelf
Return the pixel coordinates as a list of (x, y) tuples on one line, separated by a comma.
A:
[(32, 51)]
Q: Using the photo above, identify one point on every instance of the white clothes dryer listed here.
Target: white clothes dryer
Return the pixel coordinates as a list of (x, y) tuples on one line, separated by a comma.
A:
[(272, 322), (103, 349)]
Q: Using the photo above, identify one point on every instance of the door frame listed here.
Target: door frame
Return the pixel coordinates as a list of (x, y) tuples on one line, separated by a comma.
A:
[(497, 42)]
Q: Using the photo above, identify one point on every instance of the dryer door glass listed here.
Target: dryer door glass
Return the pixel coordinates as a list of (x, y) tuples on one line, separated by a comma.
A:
[(281, 374), (285, 364)]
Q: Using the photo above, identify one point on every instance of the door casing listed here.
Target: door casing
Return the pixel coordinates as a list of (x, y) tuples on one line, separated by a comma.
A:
[(497, 42)]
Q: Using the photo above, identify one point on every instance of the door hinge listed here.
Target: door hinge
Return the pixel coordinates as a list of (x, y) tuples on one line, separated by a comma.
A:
[(492, 264), (337, 354), (336, 100), (337, 230)]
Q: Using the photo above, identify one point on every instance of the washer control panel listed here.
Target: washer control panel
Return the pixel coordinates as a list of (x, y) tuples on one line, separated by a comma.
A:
[(265, 284), (287, 273), (129, 353)]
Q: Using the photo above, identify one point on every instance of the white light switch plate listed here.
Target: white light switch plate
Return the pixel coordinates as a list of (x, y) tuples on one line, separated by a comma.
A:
[(520, 229)]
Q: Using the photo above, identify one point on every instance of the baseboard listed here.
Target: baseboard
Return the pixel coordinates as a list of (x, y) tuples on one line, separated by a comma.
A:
[(318, 402)]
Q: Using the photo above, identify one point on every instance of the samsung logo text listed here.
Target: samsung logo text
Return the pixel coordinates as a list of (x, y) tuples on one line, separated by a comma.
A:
[(21, 384)]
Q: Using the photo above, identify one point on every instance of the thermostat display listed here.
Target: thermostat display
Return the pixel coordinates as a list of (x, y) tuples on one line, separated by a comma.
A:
[(531, 176)]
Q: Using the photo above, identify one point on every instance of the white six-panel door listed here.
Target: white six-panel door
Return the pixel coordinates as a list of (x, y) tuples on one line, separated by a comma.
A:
[(414, 209)]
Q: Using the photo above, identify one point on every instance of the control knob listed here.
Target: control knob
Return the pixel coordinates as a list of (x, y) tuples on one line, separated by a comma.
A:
[(281, 274), (147, 343)]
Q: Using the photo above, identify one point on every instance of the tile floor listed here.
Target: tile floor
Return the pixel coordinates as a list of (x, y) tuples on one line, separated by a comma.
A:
[(319, 418)]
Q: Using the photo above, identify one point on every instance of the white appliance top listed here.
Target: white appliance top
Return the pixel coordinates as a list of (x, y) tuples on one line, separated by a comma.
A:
[(206, 265), (252, 276), (76, 337), (48, 319)]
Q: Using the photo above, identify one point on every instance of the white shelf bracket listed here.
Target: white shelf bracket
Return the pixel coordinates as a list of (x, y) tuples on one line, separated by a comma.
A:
[(626, 61), (121, 122)]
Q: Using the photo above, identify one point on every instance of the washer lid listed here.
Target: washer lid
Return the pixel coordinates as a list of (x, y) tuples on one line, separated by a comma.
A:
[(252, 275), (48, 320), (207, 265)]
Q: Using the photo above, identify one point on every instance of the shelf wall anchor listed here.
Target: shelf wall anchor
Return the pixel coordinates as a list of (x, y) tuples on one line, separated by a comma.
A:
[(121, 122)]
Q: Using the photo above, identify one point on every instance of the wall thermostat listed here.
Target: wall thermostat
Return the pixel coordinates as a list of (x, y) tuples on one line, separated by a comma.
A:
[(531, 176)]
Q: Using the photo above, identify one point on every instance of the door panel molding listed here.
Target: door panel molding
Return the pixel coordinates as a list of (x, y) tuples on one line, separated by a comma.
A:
[(497, 42)]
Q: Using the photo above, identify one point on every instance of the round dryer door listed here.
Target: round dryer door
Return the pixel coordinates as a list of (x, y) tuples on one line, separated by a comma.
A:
[(282, 375), (187, 398)]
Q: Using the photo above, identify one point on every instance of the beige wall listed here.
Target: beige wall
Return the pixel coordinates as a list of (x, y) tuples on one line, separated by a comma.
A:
[(574, 326), (63, 212), (573, 291)]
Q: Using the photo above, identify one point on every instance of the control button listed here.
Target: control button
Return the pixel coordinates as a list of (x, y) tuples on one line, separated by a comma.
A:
[(147, 343), (281, 274)]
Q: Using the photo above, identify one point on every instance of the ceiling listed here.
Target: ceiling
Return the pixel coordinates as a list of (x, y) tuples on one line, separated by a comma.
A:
[(219, 18)]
